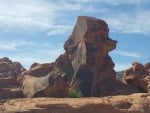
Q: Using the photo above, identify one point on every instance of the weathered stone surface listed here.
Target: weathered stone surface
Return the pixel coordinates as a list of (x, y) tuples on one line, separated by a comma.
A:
[(39, 70), (52, 84), (138, 76), (9, 93), (9, 68), (46, 80), (147, 67), (9, 71), (88, 48), (135, 103)]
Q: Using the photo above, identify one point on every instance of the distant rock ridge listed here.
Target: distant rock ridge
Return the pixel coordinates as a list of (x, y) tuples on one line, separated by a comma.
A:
[(138, 75), (9, 71)]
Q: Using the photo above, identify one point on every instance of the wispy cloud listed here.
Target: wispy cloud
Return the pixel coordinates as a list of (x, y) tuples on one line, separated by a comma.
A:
[(128, 54), (130, 23), (44, 15), (38, 55), (14, 44), (36, 14), (59, 29), (31, 52), (118, 2), (113, 2), (26, 14), (122, 66), (91, 9), (85, 1)]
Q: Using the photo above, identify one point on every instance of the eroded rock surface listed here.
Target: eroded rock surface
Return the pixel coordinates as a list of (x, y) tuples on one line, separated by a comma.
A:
[(138, 75), (9, 71), (86, 63), (52, 84), (135, 103), (88, 48)]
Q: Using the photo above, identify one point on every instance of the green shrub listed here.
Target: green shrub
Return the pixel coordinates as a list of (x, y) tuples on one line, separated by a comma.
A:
[(75, 94)]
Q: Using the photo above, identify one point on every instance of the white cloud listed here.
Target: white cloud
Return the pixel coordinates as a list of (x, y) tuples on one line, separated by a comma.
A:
[(118, 2), (33, 14), (38, 55), (122, 66), (26, 60), (91, 9), (26, 14), (13, 44), (86, 1), (68, 6), (113, 2), (34, 53), (44, 15), (130, 23), (59, 29), (128, 54)]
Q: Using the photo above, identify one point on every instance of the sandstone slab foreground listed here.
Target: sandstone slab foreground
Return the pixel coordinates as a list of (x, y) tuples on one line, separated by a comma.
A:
[(135, 103)]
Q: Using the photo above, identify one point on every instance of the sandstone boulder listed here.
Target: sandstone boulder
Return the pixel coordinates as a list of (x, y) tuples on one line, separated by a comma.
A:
[(9, 71), (9, 68), (147, 67), (138, 76), (52, 84), (36, 70), (46, 79)]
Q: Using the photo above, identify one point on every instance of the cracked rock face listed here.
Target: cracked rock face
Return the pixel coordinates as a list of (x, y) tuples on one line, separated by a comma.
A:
[(88, 48), (51, 83), (138, 75), (9, 71), (135, 103)]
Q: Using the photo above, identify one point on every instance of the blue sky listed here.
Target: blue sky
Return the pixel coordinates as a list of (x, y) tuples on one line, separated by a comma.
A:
[(35, 30)]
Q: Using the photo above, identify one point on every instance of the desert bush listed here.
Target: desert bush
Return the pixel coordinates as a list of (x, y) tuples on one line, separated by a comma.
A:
[(75, 93)]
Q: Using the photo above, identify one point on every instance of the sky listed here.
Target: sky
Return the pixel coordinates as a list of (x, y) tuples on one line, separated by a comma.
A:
[(36, 30)]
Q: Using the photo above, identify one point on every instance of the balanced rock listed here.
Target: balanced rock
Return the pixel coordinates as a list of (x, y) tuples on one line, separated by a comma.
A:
[(87, 49)]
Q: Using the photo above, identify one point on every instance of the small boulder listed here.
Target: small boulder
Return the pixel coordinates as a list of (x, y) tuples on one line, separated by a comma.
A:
[(137, 76)]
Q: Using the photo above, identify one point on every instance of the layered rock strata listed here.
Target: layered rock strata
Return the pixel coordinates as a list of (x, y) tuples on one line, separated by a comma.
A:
[(9, 71), (135, 103)]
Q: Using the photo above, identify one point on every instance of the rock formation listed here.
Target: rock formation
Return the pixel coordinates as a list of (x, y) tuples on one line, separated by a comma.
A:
[(135, 103), (52, 84), (86, 63), (87, 49), (9, 71), (46, 80), (138, 76), (86, 67)]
